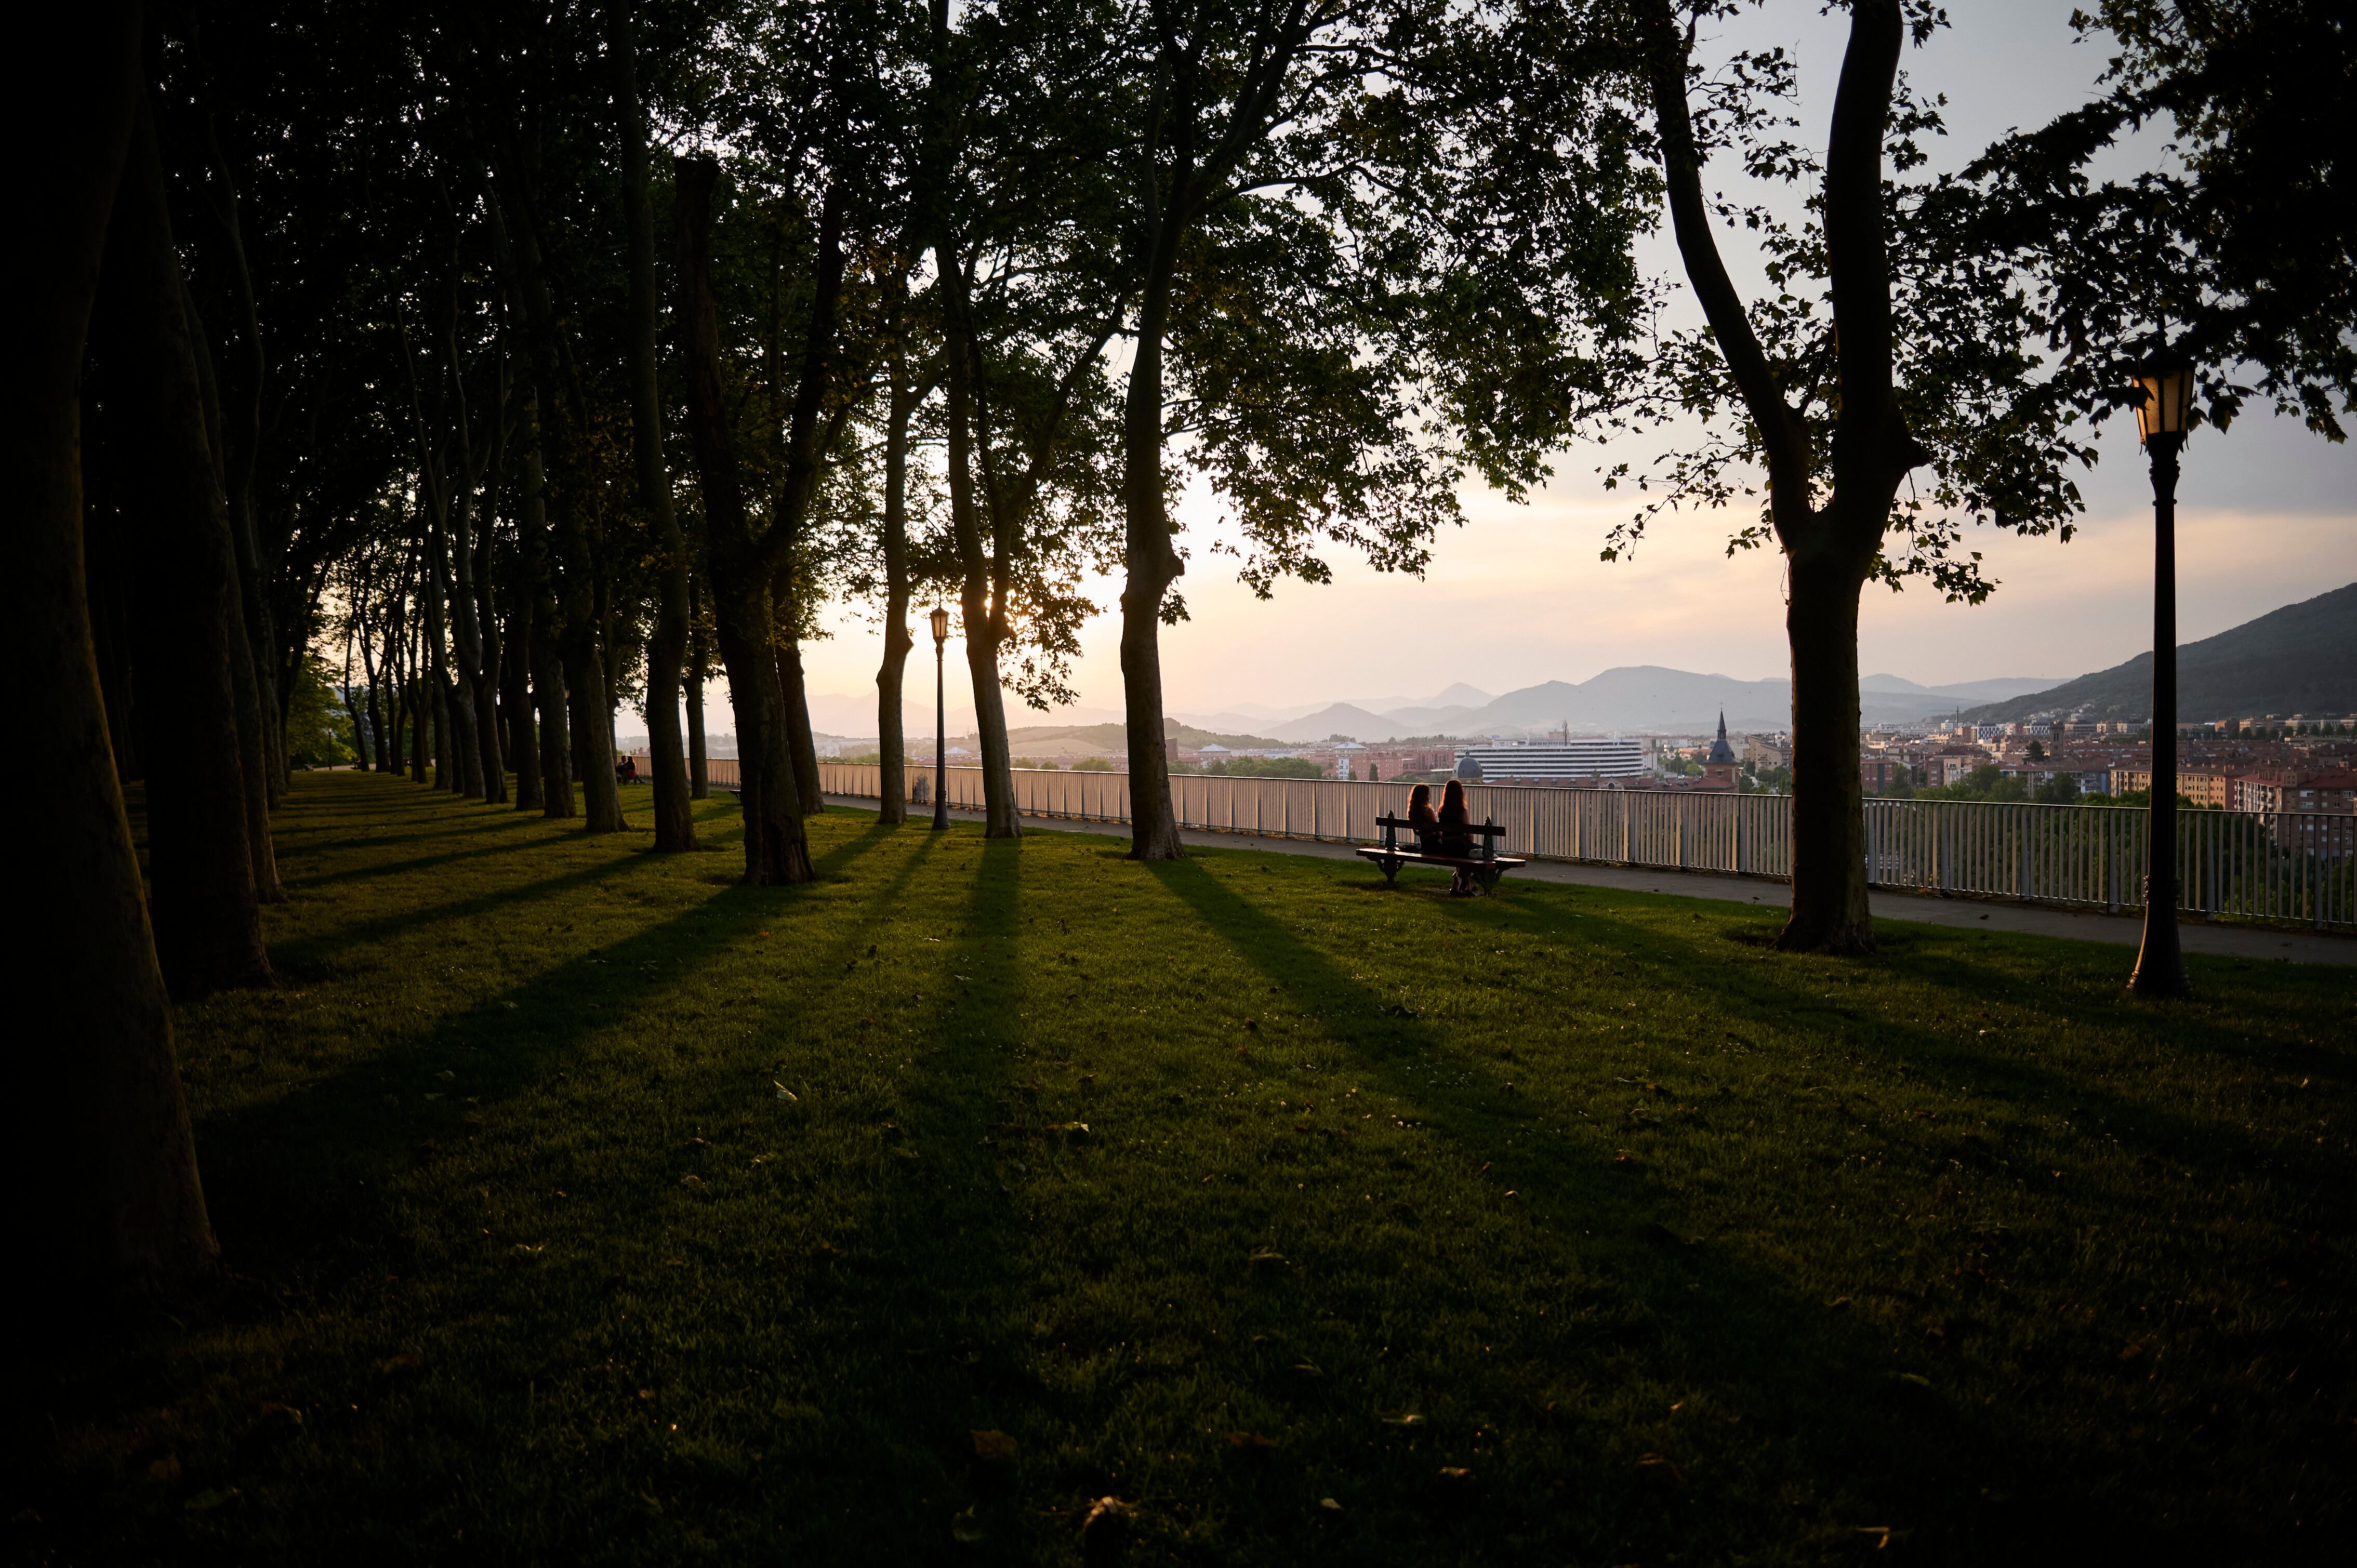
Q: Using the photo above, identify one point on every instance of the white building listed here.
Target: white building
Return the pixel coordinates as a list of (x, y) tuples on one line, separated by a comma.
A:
[(1551, 760)]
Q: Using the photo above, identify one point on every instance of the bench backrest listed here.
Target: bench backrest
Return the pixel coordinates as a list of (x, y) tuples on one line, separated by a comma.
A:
[(1470, 830)]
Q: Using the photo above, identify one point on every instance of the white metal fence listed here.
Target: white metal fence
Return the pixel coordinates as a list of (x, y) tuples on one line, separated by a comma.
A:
[(2285, 865)]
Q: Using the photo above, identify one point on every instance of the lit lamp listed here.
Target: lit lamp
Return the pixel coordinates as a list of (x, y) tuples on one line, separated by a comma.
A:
[(941, 723), (2164, 410)]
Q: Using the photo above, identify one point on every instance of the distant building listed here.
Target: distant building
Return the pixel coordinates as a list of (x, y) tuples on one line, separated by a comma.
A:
[(1552, 761), (1718, 768)]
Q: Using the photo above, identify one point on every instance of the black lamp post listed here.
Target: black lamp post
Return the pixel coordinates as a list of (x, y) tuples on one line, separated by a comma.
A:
[(941, 723), (2161, 418)]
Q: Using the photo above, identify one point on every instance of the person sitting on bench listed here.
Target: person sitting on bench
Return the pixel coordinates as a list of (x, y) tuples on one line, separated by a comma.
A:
[(1455, 818), (1426, 819)]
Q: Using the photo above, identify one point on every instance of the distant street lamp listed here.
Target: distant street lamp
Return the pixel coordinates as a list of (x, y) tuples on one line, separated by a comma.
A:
[(941, 723), (2161, 417)]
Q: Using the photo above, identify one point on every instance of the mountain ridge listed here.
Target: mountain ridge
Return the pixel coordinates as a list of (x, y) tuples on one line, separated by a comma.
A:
[(2298, 659)]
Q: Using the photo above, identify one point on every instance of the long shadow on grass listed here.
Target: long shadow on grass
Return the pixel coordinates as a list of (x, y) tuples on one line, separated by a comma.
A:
[(2043, 1075), (289, 1176), (1782, 997), (921, 1320), (1824, 1390)]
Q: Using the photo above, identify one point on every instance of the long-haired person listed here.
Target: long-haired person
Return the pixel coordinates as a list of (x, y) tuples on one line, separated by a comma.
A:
[(1424, 818), (1456, 816)]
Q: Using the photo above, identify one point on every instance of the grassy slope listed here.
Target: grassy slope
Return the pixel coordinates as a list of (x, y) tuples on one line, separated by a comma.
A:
[(1685, 1251)]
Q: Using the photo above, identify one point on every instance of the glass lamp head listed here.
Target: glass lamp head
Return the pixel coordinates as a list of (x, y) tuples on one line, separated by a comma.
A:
[(941, 626), (2167, 405)]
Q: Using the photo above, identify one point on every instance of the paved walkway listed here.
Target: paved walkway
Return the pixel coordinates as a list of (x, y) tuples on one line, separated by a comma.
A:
[(2122, 931)]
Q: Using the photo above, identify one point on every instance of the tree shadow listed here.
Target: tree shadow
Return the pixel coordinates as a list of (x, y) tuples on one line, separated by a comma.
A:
[(1861, 1440)]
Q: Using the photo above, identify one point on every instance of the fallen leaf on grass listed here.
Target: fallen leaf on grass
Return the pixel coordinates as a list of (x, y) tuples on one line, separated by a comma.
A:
[(786, 1094), (1652, 1460), (1104, 1534), (168, 1469), (531, 1249), (1267, 1255), (1455, 1472), (1329, 1505), (1308, 1368), (2131, 1353), (408, 1360), (691, 1181), (1410, 1419), (209, 1499), (1250, 1440), (965, 1526), (993, 1447)]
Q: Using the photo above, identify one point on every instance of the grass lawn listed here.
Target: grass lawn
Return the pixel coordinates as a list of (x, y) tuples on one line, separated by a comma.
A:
[(1322, 1222)]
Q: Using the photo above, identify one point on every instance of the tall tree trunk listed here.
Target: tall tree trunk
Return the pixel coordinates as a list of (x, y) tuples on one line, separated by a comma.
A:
[(547, 668), (1829, 546), (256, 717), (699, 772), (515, 701), (97, 1133), (240, 431), (980, 614), (794, 695), (573, 636), (674, 826), (891, 678), (206, 907), (1830, 913), (111, 576), (776, 851), (1153, 566)]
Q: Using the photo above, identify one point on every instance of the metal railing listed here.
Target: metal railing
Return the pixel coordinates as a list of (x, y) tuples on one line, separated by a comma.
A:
[(2279, 866)]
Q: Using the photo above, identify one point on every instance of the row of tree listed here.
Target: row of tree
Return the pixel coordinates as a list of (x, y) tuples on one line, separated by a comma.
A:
[(530, 360)]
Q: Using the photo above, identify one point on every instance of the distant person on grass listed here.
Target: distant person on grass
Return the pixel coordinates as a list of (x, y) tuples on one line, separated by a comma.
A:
[(1455, 818)]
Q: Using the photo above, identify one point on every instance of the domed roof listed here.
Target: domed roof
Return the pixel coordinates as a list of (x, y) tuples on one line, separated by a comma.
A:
[(1719, 750)]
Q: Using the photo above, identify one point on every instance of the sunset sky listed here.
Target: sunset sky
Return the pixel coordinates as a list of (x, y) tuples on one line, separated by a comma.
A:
[(1517, 597)]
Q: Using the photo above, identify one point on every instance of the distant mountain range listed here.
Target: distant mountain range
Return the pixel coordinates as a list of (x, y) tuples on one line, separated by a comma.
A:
[(1630, 698), (2301, 658)]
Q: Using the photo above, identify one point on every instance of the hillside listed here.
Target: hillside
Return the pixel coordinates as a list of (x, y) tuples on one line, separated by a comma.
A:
[(1107, 739), (2301, 658)]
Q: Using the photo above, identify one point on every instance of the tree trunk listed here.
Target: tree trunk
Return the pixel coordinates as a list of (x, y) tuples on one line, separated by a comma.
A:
[(1829, 891), (776, 851), (699, 773), (891, 678), (980, 618), (515, 701), (1153, 566), (201, 864), (793, 697), (675, 825), (109, 1203), (256, 715), (547, 669)]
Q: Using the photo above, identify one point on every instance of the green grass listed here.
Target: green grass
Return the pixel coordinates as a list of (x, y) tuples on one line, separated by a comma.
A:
[(1686, 1252)]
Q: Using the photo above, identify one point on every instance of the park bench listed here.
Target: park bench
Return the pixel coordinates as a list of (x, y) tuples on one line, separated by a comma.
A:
[(1485, 862)]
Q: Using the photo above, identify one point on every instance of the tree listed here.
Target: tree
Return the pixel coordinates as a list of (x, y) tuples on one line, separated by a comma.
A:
[(1929, 369), (206, 903), (1333, 233), (743, 558), (96, 1126), (674, 827)]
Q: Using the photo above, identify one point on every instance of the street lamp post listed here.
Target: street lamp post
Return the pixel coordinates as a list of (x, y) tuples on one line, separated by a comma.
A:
[(2161, 417), (941, 723)]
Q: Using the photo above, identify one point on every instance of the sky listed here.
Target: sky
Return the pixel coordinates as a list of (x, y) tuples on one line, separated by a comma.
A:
[(2267, 516)]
